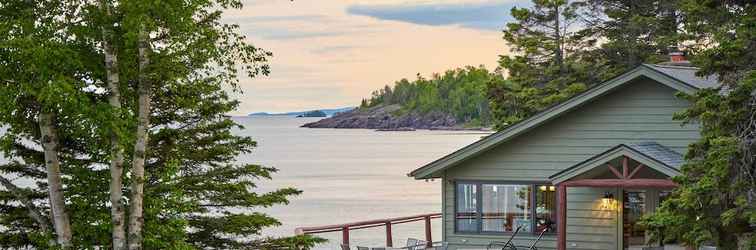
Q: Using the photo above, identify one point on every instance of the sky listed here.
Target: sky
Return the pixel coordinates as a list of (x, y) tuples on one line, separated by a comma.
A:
[(333, 53)]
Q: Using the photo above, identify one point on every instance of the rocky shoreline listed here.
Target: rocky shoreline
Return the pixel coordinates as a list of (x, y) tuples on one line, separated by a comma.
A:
[(384, 118)]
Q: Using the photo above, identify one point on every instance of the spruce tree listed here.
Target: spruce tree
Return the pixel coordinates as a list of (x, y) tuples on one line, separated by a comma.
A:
[(715, 202)]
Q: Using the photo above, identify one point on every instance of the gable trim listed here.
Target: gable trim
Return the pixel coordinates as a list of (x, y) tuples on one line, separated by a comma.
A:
[(431, 170), (613, 153)]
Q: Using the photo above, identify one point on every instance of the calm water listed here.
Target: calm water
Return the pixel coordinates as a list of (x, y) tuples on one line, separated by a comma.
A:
[(350, 175)]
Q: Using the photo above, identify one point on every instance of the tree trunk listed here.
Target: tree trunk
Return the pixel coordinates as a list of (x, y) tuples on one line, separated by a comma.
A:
[(59, 216), (558, 52), (117, 215), (34, 213), (136, 217)]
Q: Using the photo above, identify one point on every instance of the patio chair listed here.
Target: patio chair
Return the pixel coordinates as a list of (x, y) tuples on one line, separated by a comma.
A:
[(345, 247), (421, 244), (505, 244), (411, 243), (533, 246), (440, 245)]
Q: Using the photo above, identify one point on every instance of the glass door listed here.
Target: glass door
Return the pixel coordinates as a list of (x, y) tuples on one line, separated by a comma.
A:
[(634, 207)]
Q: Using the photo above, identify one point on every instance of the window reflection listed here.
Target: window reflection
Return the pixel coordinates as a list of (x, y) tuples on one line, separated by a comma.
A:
[(546, 209), (505, 207)]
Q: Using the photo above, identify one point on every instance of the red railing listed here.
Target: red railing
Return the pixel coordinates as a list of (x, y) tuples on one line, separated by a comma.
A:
[(345, 228)]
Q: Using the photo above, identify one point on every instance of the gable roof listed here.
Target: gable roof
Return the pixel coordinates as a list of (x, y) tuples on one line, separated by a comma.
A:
[(687, 75), (650, 154), (677, 77)]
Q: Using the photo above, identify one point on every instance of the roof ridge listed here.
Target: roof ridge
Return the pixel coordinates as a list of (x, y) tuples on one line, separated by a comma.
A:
[(673, 66)]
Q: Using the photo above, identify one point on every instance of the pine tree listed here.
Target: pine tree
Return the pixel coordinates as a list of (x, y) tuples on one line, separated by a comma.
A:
[(715, 202), (547, 64), (633, 32)]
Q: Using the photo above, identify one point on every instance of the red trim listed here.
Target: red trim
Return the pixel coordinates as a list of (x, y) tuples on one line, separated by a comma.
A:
[(628, 183), (615, 171), (636, 170), (562, 217)]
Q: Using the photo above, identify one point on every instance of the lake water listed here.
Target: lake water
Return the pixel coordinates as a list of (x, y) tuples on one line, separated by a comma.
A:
[(350, 175)]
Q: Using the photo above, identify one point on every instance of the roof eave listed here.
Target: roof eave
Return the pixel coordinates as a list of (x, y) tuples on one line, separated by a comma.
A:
[(617, 151)]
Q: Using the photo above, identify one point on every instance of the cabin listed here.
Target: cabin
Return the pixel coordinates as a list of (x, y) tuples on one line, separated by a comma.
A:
[(583, 171)]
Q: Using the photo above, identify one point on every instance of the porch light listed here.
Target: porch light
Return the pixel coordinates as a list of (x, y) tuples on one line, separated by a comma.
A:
[(608, 201), (547, 188)]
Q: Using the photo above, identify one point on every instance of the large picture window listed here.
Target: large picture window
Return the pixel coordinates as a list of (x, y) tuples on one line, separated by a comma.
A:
[(483, 207)]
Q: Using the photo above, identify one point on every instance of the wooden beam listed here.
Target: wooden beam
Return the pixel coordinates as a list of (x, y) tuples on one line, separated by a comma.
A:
[(562, 217), (615, 171), (428, 236), (345, 236), (627, 183), (389, 239), (636, 170), (625, 167)]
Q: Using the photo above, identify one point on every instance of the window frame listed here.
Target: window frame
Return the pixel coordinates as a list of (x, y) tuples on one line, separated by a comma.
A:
[(479, 209)]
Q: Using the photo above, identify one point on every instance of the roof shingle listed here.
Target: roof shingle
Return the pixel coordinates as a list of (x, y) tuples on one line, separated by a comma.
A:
[(660, 153)]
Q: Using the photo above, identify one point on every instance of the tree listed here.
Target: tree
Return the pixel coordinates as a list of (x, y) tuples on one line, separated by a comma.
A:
[(117, 213), (714, 202), (459, 93), (548, 63), (633, 32), (194, 193), (41, 82)]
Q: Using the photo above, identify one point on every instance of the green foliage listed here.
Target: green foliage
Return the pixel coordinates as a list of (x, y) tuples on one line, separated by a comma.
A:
[(196, 195), (547, 65), (715, 200), (560, 48), (459, 92)]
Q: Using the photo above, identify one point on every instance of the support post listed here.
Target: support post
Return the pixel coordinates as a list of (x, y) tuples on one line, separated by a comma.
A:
[(389, 239), (428, 236), (562, 217), (345, 235)]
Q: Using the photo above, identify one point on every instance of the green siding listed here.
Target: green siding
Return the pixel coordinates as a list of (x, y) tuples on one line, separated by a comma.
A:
[(640, 111)]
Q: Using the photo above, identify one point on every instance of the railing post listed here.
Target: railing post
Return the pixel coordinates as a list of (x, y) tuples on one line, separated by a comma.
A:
[(389, 239), (345, 235), (428, 236)]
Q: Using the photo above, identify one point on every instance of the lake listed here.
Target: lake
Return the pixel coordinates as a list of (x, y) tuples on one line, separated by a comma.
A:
[(350, 175)]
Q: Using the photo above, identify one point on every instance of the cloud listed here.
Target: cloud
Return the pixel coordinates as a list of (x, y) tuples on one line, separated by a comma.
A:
[(488, 15)]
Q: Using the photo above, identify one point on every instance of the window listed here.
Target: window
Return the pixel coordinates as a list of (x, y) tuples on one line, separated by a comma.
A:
[(505, 207), (467, 212), (546, 208), (497, 207)]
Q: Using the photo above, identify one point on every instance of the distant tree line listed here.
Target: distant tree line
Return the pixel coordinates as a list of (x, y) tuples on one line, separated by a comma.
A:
[(460, 92)]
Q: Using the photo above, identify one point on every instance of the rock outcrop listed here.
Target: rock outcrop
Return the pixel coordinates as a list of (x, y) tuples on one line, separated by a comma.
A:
[(388, 118)]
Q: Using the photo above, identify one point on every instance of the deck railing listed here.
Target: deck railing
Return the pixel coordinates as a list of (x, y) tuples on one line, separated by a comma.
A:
[(345, 228)]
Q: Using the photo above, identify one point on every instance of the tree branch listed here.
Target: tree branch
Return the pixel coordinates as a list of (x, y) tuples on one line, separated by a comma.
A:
[(34, 212)]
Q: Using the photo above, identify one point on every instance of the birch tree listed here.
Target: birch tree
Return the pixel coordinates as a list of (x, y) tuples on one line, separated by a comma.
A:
[(116, 152)]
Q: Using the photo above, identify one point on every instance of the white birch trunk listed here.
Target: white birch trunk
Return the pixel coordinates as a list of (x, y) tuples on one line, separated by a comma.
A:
[(60, 219), (136, 217), (117, 215)]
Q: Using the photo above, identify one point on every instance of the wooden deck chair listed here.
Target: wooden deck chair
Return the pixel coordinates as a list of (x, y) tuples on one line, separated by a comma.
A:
[(505, 244)]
